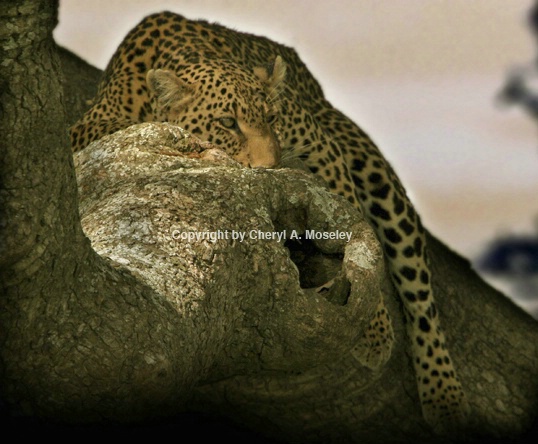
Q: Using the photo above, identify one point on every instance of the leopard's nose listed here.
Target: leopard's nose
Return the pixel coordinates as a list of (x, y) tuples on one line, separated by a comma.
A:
[(263, 151)]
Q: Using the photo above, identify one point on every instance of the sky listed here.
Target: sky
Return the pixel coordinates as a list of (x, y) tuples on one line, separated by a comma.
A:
[(419, 76)]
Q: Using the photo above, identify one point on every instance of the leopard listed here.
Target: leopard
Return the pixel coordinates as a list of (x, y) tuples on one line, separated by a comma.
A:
[(255, 99)]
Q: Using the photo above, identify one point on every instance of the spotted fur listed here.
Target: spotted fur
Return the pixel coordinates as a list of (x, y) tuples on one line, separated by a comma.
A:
[(256, 99)]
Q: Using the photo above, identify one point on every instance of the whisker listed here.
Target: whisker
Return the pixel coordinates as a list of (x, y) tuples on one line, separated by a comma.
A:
[(302, 151), (275, 93)]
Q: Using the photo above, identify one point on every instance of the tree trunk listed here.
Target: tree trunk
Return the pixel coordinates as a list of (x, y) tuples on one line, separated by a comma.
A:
[(146, 322), (78, 335)]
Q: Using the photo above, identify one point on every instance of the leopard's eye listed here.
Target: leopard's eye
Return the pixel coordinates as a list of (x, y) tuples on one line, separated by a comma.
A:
[(271, 117), (228, 122)]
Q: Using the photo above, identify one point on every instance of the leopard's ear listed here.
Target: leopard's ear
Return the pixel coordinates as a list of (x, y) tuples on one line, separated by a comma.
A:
[(169, 89), (273, 76)]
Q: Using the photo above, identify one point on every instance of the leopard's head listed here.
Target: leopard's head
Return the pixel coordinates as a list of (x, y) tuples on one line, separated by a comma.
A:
[(233, 107)]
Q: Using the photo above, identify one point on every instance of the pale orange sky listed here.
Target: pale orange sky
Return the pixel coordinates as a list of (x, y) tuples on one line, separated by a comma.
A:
[(372, 37)]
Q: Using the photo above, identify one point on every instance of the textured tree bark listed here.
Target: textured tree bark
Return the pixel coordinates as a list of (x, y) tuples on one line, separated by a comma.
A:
[(205, 235), (77, 338), (142, 323)]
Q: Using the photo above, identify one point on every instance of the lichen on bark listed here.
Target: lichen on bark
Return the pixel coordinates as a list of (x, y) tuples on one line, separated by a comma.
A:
[(205, 236)]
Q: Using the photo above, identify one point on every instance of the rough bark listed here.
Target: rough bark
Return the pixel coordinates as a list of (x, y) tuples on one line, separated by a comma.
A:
[(149, 326), (60, 301)]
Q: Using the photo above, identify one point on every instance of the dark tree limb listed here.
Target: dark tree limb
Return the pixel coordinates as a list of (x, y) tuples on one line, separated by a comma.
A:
[(79, 82)]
